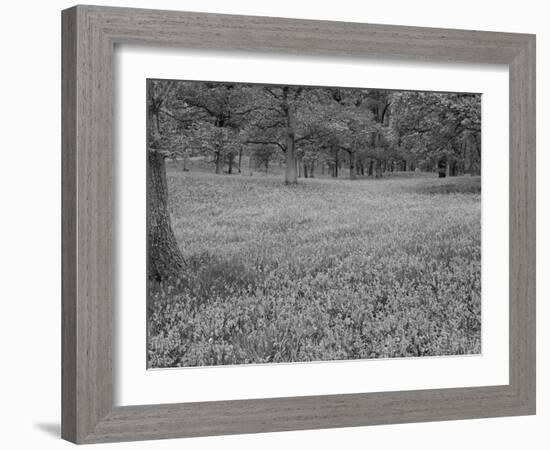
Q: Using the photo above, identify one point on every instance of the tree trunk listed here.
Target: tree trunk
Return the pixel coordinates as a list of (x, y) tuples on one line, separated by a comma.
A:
[(164, 258), (378, 169), (352, 162), (442, 169), (311, 170), (240, 157), (305, 170), (250, 164), (453, 169), (290, 167), (231, 158), (371, 168), (218, 162), (290, 152), (185, 158)]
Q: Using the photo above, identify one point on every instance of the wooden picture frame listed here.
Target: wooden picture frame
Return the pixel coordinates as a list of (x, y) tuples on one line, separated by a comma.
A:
[(89, 37)]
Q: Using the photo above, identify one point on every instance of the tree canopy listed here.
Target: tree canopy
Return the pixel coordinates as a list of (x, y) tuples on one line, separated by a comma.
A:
[(368, 131)]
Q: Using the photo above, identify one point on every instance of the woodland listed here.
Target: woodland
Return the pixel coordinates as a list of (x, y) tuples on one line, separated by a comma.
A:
[(296, 223)]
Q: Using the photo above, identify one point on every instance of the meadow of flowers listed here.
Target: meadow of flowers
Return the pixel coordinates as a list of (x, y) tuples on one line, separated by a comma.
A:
[(325, 270)]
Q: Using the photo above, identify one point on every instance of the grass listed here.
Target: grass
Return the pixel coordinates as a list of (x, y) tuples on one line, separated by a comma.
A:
[(325, 270)]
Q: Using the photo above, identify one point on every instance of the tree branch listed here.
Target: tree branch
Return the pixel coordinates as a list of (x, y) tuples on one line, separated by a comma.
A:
[(267, 89), (387, 105), (346, 149), (203, 107), (168, 86), (173, 116), (281, 146)]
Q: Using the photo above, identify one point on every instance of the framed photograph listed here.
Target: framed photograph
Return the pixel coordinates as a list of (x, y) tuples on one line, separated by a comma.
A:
[(278, 224)]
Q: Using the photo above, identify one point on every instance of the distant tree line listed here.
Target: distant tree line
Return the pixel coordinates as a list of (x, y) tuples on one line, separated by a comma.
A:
[(311, 130), (367, 131)]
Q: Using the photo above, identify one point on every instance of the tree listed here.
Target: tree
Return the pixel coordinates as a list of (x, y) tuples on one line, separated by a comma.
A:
[(222, 142), (219, 111), (287, 116), (443, 130), (371, 131), (164, 258), (263, 155), (379, 103), (348, 125)]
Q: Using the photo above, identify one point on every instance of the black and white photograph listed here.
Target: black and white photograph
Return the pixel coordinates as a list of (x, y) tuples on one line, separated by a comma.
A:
[(298, 223), (275, 225)]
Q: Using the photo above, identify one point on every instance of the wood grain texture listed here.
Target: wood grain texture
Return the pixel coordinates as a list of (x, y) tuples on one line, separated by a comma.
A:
[(87, 256), (523, 223), (89, 36), (68, 225)]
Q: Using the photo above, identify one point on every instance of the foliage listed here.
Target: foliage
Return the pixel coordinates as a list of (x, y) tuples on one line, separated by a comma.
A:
[(322, 125), (438, 126)]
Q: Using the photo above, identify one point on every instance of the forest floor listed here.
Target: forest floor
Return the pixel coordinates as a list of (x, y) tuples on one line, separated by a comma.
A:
[(325, 270)]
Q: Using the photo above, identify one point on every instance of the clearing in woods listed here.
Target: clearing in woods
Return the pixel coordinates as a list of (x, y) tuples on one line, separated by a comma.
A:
[(323, 270)]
